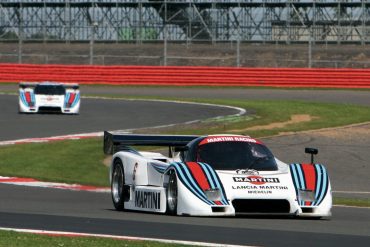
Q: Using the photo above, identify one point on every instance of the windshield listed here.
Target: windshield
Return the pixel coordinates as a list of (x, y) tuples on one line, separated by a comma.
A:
[(236, 155), (50, 89)]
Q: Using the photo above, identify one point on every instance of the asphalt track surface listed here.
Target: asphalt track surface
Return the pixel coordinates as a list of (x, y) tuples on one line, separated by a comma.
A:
[(88, 212), (99, 115)]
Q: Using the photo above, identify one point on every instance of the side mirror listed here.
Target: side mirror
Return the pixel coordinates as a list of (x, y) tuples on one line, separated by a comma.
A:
[(312, 151)]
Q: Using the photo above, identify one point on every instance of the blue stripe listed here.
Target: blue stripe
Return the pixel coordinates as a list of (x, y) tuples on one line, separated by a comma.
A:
[(195, 184), (324, 188), (318, 184), (23, 98), (214, 180), (65, 99), (302, 183), (296, 179), (301, 179), (209, 178), (322, 182), (33, 99), (159, 168), (295, 175), (218, 183), (77, 98), (185, 180)]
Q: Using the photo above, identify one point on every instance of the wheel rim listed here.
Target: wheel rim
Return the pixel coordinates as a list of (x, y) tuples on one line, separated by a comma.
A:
[(172, 192), (117, 183)]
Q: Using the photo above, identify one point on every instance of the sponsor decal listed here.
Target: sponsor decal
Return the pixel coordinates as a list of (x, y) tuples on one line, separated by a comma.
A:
[(260, 187), (257, 180), (147, 199), (257, 184), (228, 139)]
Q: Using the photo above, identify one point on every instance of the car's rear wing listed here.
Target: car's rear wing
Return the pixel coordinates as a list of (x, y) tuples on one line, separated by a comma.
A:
[(113, 142), (74, 86), (24, 85)]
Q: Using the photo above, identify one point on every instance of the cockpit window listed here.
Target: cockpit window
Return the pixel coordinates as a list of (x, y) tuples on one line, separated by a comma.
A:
[(50, 90), (236, 155)]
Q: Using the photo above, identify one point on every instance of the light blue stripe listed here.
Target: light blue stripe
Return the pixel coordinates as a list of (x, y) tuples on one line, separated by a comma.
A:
[(210, 177), (184, 178), (300, 177), (195, 185), (66, 99), (77, 98), (318, 184), (33, 97), (324, 184), (296, 181), (295, 176), (218, 185), (23, 99)]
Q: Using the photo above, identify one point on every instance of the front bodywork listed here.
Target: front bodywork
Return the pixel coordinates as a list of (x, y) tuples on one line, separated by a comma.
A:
[(66, 98), (296, 189)]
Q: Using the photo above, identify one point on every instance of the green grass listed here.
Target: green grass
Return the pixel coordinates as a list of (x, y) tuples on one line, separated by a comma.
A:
[(359, 202), (266, 112), (76, 161), (14, 239)]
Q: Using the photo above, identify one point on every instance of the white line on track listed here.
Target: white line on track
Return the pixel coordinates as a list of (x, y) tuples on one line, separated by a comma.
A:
[(241, 112), (76, 234), (351, 192)]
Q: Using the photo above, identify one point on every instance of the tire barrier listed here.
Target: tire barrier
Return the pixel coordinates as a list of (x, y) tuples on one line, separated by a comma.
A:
[(188, 76)]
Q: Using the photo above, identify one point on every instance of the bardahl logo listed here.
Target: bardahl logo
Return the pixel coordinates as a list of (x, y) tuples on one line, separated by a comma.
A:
[(257, 180), (147, 199)]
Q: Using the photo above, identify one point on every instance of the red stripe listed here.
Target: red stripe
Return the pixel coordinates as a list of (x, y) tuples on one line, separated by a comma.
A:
[(71, 98), (28, 97), (199, 175), (310, 178)]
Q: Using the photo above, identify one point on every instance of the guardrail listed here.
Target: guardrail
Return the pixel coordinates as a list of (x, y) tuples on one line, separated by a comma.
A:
[(188, 76)]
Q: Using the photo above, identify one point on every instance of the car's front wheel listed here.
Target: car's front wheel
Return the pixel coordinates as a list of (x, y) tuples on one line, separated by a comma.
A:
[(117, 185), (172, 194)]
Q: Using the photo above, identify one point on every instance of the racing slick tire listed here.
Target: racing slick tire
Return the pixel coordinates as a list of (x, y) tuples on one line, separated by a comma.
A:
[(117, 185), (171, 192)]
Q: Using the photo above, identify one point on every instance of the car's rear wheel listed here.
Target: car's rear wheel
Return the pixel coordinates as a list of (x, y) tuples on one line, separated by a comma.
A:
[(117, 185), (172, 194)]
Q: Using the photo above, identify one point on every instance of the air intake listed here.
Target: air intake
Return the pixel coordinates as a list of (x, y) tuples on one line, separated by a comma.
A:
[(261, 206)]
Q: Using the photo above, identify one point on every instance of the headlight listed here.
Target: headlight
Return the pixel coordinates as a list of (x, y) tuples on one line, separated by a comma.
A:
[(213, 194), (306, 195)]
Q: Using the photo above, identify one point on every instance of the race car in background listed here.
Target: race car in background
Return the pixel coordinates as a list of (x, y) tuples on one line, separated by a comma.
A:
[(214, 175), (49, 97)]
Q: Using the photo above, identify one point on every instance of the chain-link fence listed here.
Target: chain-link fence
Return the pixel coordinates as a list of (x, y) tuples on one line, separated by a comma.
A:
[(189, 54)]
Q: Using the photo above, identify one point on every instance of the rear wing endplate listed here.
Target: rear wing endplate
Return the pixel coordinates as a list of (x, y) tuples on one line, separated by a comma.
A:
[(113, 142)]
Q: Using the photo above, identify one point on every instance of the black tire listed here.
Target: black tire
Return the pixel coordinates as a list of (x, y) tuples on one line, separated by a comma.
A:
[(117, 185), (171, 192)]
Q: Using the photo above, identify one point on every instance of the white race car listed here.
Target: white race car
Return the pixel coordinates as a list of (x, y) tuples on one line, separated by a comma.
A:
[(215, 175), (49, 97)]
